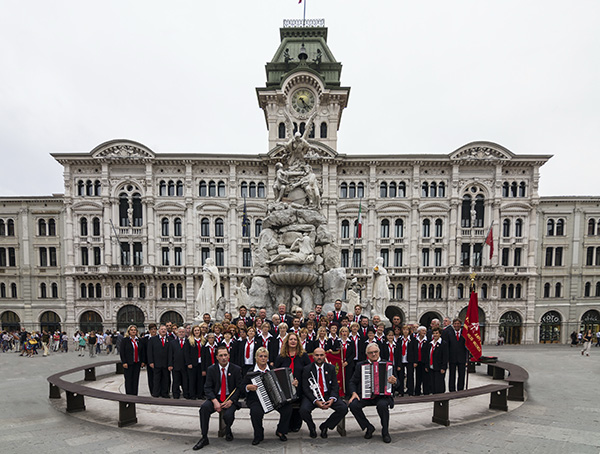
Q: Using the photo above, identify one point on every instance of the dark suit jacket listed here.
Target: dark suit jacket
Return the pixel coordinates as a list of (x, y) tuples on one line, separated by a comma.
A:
[(239, 350), (385, 354), (191, 353), (333, 345), (300, 362), (440, 356), (144, 342), (177, 354), (339, 319), (207, 358), (456, 348), (212, 386), (330, 379), (350, 352), (126, 352), (413, 351), (158, 354)]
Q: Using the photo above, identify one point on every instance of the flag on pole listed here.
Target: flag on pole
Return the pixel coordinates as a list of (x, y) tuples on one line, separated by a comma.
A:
[(245, 222), (489, 240), (299, 1), (359, 221), (470, 330)]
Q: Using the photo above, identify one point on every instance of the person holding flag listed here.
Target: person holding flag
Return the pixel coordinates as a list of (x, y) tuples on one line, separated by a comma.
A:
[(470, 331)]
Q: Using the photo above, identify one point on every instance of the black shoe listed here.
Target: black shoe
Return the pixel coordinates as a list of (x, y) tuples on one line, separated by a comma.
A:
[(387, 438), (229, 436), (201, 444), (312, 432), (256, 441), (369, 432), (281, 436), (295, 429), (323, 428)]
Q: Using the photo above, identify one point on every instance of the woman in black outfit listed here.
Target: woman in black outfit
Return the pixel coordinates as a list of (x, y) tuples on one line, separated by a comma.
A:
[(131, 358)]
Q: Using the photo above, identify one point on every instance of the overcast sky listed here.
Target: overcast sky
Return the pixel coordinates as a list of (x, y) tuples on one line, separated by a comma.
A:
[(180, 76)]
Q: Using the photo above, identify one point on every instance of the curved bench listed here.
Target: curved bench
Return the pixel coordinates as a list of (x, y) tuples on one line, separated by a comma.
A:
[(127, 403), (517, 376)]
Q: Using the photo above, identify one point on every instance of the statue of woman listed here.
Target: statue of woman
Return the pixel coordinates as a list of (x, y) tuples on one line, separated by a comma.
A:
[(381, 291), (210, 291)]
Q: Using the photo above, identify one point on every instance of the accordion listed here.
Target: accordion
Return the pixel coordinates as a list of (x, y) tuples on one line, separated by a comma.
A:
[(275, 388), (374, 379)]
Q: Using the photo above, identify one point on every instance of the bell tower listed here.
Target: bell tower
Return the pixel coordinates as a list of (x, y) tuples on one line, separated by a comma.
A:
[(303, 86)]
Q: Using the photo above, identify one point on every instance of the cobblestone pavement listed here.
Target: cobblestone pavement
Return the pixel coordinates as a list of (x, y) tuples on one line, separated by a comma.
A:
[(562, 415)]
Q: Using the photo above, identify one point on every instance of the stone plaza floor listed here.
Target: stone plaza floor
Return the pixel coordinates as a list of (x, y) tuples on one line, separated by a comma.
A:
[(561, 415)]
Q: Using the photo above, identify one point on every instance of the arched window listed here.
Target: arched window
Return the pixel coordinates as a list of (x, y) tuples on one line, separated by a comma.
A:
[(205, 227), (550, 227), (426, 228), (42, 227), (221, 189), (203, 189), (479, 211), (360, 190), (345, 229), (588, 289), (399, 228), (522, 189), (13, 290), (130, 290), (597, 288), (91, 291), (258, 227), (2, 228), (460, 291), (96, 227), (83, 290), (261, 191), (179, 291), (399, 292), (80, 188), (433, 189), (302, 128), (392, 291), (117, 290), (547, 290), (442, 189), (138, 219), (54, 290), (438, 292), (465, 216), (484, 291), (171, 188), (97, 188), (343, 191), (518, 290), (513, 189), (557, 290), (142, 290), (177, 231), (503, 292), (164, 227), (98, 291), (83, 227), (431, 292), (212, 189), (591, 227), (425, 189), (506, 228), (511, 291), (505, 189), (423, 292), (179, 188), (323, 130), (281, 131), (385, 228), (402, 189), (383, 189), (398, 257), (252, 193), (162, 188), (43, 291), (219, 228), (519, 228), (89, 188), (560, 227), (171, 291), (439, 227), (244, 189), (392, 190), (352, 190), (2, 290)]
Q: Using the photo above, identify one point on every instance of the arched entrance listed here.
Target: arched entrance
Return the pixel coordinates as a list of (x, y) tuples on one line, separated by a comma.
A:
[(511, 326), (463, 314), (550, 328), (90, 321), (590, 320), (427, 317), (130, 315), (173, 317), (393, 311), (10, 321), (50, 322)]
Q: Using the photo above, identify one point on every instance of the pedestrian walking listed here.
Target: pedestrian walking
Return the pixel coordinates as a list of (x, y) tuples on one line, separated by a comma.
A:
[(587, 343)]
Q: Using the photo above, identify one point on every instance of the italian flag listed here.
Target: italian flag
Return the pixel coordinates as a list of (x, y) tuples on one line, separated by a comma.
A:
[(359, 221)]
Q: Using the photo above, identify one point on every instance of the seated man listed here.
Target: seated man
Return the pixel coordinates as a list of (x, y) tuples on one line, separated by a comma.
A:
[(256, 409), (222, 390), (382, 402), (322, 392)]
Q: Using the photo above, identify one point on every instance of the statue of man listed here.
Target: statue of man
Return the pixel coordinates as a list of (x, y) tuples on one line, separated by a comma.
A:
[(210, 291), (311, 187), (300, 252), (281, 182), (381, 291)]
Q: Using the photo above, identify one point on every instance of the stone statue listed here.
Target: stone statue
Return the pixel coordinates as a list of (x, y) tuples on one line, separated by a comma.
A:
[(301, 252), (354, 291), (381, 291), (281, 182), (286, 56), (130, 216), (297, 148), (309, 183), (318, 58), (473, 217), (241, 294), (210, 291)]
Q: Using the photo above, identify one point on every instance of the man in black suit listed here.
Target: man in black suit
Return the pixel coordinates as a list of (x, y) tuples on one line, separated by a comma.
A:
[(222, 391), (418, 355), (257, 412), (338, 313), (158, 360), (382, 402), (438, 362), (243, 312), (283, 317), (177, 365), (457, 355), (144, 344), (325, 380)]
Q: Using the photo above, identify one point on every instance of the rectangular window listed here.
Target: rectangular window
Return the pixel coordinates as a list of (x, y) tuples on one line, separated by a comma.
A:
[(345, 259), (2, 256), (12, 258), (558, 253), (518, 256), (549, 255), (97, 256), (437, 257), (44, 256), (84, 256), (357, 258), (219, 256), (205, 253), (138, 257), (246, 257), (505, 256), (589, 261), (52, 251), (385, 254), (397, 257), (178, 257), (125, 254), (477, 248), (465, 254), (165, 256), (425, 256)]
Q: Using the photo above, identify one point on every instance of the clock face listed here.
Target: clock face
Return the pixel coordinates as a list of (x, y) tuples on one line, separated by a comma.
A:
[(303, 100)]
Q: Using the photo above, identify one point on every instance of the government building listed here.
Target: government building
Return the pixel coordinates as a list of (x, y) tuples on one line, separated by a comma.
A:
[(126, 241)]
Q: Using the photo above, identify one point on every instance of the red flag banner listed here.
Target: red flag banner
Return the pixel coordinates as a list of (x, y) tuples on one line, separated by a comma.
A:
[(490, 241), (336, 360), (470, 330)]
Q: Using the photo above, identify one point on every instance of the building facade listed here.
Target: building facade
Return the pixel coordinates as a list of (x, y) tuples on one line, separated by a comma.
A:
[(126, 241)]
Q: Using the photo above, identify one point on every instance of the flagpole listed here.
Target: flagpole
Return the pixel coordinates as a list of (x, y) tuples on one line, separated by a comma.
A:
[(473, 287), (304, 18)]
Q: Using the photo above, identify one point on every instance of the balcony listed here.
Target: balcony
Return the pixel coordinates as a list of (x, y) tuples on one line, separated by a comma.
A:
[(398, 270), (205, 239), (126, 269), (433, 270), (87, 269), (170, 269), (130, 231)]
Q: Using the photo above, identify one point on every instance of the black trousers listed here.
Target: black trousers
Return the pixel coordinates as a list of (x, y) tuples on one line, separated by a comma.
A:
[(453, 384), (208, 409), (422, 380), (339, 408), (437, 383), (150, 375), (132, 378), (180, 383), (407, 371), (195, 382), (382, 403), (162, 382), (257, 414)]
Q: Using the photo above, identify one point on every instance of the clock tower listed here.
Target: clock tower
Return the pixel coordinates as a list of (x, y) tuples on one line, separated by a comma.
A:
[(303, 87)]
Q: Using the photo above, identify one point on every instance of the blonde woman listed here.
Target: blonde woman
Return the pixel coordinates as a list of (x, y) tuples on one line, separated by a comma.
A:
[(192, 352), (131, 358)]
